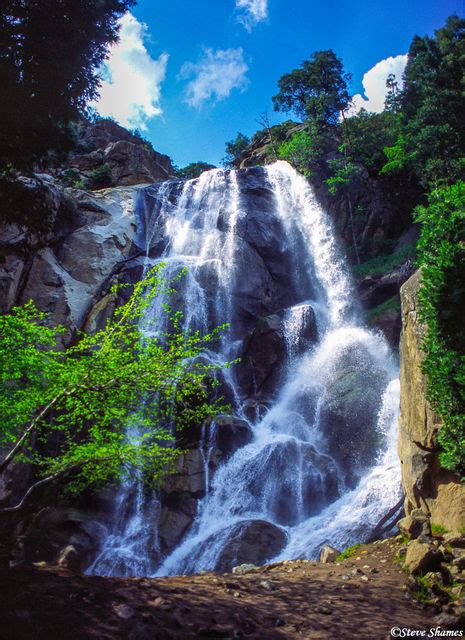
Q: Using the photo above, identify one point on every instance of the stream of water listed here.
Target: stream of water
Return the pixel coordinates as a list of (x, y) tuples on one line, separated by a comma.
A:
[(322, 464)]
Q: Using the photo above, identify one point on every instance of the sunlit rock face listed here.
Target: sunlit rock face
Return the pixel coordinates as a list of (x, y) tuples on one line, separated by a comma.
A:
[(427, 486), (73, 272)]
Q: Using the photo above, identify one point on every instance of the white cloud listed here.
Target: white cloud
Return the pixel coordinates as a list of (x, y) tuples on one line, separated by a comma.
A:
[(254, 11), (215, 75), (131, 90), (374, 84)]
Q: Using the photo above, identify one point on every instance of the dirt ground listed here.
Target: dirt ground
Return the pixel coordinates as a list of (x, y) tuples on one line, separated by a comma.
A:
[(361, 597)]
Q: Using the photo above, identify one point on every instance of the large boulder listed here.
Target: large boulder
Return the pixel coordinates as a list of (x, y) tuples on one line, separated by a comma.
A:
[(68, 278), (172, 526), (268, 347), (422, 557), (427, 486), (189, 475), (350, 407), (263, 356), (229, 433), (328, 554), (290, 480), (68, 537), (251, 542)]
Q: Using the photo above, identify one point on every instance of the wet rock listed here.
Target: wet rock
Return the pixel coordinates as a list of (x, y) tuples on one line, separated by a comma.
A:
[(350, 406), (263, 356), (287, 473), (252, 542), (390, 323), (172, 527), (328, 554), (265, 350), (255, 409), (229, 433), (189, 476)]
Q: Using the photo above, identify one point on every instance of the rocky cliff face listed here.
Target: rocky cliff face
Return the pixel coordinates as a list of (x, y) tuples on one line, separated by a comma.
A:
[(130, 159), (369, 213), (427, 486), (68, 275)]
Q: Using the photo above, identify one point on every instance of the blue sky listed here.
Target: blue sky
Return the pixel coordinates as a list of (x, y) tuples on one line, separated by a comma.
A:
[(190, 74)]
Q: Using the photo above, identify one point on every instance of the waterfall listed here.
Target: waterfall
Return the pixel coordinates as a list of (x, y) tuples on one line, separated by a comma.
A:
[(320, 465)]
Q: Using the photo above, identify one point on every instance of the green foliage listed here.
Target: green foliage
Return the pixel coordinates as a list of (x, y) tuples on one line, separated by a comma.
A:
[(437, 529), (234, 148), (441, 254), (399, 158), (387, 305), (302, 150), (381, 264), (316, 91), (194, 170), (100, 178), (72, 178), (66, 411), (349, 552), (369, 133), (49, 55), (433, 102), (345, 171)]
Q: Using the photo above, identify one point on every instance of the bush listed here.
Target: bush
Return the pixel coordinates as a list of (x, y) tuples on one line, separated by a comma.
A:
[(302, 150), (66, 412), (100, 178), (194, 170), (349, 552), (441, 254), (379, 265), (72, 178)]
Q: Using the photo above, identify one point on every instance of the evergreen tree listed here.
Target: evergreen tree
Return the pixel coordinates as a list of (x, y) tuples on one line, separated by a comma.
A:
[(432, 141), (234, 148), (317, 91), (50, 51)]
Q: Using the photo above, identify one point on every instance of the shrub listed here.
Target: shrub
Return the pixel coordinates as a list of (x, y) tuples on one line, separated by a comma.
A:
[(381, 264), (302, 150), (349, 552), (441, 254), (100, 178)]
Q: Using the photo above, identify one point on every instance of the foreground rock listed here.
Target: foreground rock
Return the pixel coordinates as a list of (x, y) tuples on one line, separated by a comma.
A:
[(328, 554), (437, 565), (251, 542), (362, 597)]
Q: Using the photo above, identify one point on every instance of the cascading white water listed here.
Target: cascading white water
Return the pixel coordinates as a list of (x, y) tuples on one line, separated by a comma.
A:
[(302, 479)]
